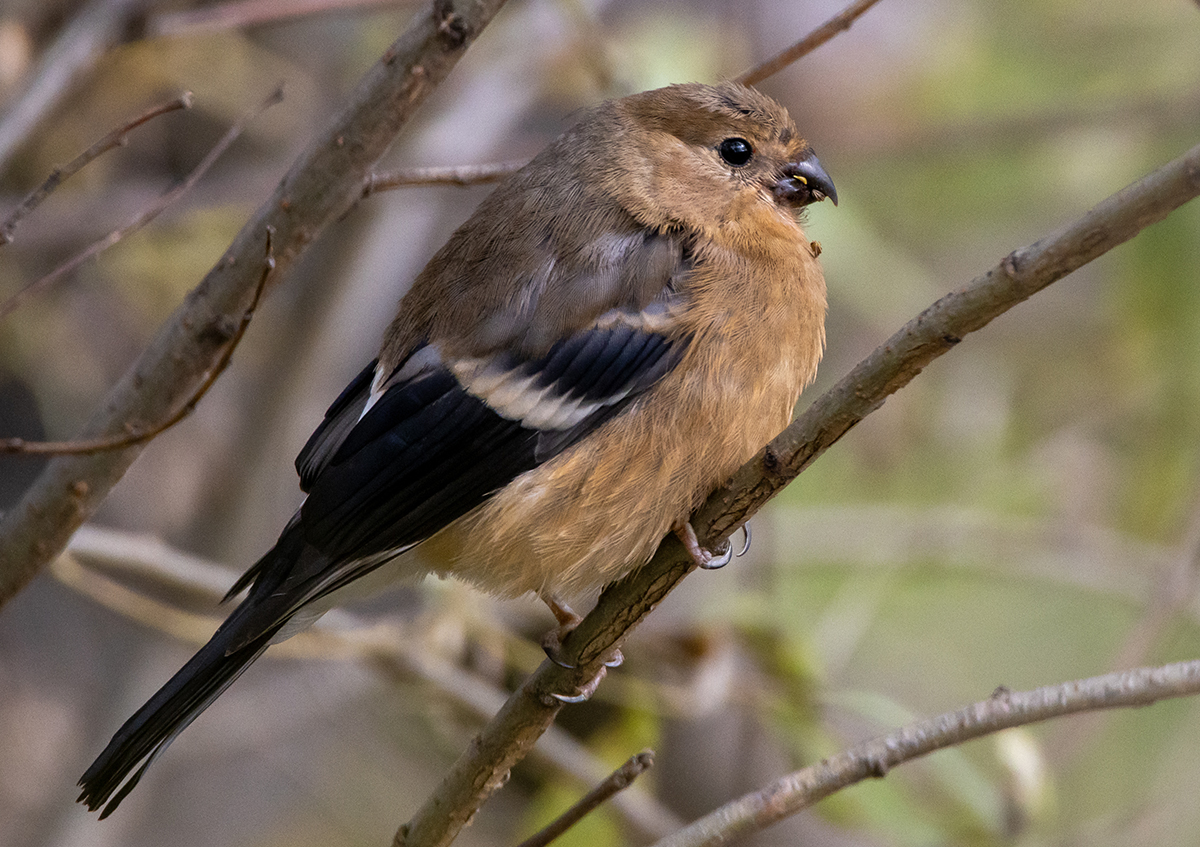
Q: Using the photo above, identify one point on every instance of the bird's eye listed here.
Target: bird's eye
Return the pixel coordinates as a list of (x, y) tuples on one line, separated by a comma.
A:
[(735, 151)]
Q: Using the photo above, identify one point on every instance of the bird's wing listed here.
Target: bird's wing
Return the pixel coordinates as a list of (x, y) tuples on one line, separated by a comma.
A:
[(440, 439), (400, 455)]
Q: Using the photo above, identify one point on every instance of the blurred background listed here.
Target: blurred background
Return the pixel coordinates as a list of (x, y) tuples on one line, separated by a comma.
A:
[(1026, 512)]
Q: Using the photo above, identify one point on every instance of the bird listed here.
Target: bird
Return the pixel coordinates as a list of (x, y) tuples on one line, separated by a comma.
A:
[(618, 327)]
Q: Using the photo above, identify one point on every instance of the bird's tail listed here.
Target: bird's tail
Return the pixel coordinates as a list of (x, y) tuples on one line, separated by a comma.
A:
[(146, 735), (239, 641)]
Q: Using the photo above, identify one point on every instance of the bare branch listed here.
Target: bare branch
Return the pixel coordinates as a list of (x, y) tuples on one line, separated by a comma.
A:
[(482, 767), (618, 780), (838, 23), (457, 175), (117, 138), (943, 325), (494, 172), (1003, 710), (242, 13), (136, 435), (98, 26), (96, 248), (325, 182), (394, 652)]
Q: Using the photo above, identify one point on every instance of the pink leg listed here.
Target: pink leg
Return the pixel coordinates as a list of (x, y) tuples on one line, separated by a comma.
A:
[(552, 645), (703, 559)]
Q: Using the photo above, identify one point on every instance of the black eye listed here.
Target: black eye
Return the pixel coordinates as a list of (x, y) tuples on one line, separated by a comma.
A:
[(735, 151)]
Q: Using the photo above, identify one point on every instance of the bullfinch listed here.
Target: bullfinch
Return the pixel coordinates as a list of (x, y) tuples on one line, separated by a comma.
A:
[(618, 327)]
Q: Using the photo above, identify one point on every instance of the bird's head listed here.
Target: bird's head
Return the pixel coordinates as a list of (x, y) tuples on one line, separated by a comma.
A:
[(704, 157)]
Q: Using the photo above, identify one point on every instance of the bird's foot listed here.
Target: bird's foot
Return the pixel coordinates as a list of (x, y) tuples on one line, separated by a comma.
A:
[(703, 558), (552, 645)]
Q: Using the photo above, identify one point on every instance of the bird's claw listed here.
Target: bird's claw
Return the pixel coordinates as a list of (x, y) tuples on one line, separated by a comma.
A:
[(716, 560), (553, 648), (745, 540), (585, 691), (703, 558)]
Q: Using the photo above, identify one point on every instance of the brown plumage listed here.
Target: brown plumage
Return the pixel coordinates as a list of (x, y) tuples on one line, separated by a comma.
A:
[(616, 329), (752, 303)]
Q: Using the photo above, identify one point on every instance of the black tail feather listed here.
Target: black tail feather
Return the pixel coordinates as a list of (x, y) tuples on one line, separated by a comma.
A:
[(239, 641), (146, 735)]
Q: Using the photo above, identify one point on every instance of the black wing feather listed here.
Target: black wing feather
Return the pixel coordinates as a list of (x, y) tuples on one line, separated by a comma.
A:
[(339, 420), (429, 451), (425, 453)]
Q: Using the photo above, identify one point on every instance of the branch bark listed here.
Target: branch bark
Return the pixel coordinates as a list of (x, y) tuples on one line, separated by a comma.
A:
[(117, 138), (484, 766), (1003, 710), (395, 652), (325, 181), (840, 22)]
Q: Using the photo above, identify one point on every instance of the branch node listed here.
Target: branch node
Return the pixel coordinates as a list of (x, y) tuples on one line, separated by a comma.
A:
[(772, 463), (451, 25), (220, 329), (877, 765)]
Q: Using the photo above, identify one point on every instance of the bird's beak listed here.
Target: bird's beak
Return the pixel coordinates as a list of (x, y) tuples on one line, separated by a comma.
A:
[(804, 181)]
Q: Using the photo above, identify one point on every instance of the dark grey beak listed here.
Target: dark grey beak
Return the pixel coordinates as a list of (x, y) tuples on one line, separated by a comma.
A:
[(805, 181)]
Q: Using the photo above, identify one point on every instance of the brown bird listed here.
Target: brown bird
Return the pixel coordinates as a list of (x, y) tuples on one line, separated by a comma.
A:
[(618, 327)]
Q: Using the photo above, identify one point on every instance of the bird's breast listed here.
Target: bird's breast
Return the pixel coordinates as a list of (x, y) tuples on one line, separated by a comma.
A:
[(599, 509)]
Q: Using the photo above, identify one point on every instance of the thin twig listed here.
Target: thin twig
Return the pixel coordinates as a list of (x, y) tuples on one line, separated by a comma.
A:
[(618, 780), (236, 14), (454, 175), (838, 23), (515, 729), (1004, 709), (321, 185), (135, 434), (97, 247), (117, 138), (99, 562)]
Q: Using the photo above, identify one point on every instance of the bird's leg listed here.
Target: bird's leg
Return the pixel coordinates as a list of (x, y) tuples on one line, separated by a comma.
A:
[(552, 645), (703, 559), (567, 621)]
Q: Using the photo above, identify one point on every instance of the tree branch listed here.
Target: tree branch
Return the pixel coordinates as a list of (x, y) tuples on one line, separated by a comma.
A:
[(1003, 710), (325, 182), (617, 781), (94, 249), (117, 138), (484, 766), (453, 175), (840, 22), (395, 652), (236, 14)]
